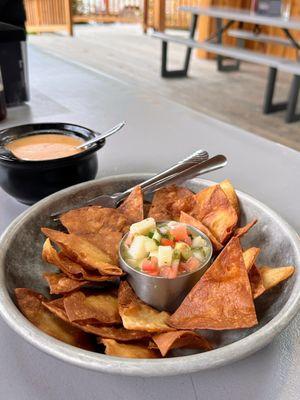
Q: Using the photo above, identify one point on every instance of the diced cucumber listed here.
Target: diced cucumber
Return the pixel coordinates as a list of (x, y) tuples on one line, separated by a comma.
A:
[(137, 249), (150, 245), (156, 236), (197, 242), (184, 250), (143, 227), (134, 263), (165, 254), (153, 254), (199, 255)]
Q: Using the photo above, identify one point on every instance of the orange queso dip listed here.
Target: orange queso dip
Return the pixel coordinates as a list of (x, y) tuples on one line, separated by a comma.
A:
[(46, 146)]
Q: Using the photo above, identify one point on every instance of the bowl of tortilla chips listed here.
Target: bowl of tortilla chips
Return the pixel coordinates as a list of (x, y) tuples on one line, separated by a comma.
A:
[(62, 288)]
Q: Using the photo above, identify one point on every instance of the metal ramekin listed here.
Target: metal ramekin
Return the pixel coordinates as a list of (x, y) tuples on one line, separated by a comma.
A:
[(160, 292)]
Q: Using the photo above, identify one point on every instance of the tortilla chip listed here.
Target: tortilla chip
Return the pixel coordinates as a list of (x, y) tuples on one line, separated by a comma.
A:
[(231, 195), (188, 219), (70, 268), (100, 308), (119, 333), (250, 256), (180, 339), (32, 306), (256, 282), (222, 299), (93, 219), (60, 283), (239, 232), (133, 206), (113, 348), (57, 307), (136, 315), (215, 211), (106, 240), (273, 276), (83, 252), (169, 201)]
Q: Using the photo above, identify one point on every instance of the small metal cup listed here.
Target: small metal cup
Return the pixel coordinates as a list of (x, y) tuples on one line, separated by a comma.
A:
[(160, 292)]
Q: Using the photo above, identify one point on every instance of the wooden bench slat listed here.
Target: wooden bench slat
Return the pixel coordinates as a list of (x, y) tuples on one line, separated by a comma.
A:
[(260, 37), (280, 63)]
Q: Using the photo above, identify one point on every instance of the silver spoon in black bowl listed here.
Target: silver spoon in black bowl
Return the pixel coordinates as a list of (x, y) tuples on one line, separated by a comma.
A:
[(101, 136), (7, 155)]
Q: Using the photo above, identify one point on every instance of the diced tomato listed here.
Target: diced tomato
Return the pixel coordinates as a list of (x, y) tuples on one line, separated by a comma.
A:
[(182, 268), (150, 267), (188, 241), (129, 239), (165, 271), (179, 233), (192, 264), (154, 261), (167, 242)]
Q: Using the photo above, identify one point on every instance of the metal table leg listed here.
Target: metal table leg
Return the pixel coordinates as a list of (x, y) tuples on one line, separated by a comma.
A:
[(180, 73), (234, 65)]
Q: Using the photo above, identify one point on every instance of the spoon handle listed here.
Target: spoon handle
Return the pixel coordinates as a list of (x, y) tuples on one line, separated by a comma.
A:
[(189, 172), (102, 136)]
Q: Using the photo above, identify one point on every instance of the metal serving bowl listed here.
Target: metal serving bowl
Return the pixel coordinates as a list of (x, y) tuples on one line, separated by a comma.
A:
[(160, 292), (21, 266)]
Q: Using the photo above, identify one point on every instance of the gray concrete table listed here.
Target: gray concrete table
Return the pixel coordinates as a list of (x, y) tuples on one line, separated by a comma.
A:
[(158, 132)]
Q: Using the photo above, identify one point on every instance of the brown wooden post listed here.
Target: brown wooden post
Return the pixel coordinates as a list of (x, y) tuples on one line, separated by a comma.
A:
[(159, 15), (145, 16), (69, 17)]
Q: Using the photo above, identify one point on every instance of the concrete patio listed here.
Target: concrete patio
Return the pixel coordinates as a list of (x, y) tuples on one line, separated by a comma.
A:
[(124, 53)]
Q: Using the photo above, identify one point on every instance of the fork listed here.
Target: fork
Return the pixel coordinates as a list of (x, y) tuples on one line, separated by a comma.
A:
[(187, 168)]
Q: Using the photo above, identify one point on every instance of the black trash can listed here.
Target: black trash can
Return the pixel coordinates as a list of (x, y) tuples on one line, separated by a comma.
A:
[(13, 63)]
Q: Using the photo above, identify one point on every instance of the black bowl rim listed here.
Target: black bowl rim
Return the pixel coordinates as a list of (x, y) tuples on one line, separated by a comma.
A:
[(63, 126)]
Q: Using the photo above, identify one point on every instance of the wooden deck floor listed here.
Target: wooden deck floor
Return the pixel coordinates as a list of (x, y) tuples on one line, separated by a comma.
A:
[(123, 52)]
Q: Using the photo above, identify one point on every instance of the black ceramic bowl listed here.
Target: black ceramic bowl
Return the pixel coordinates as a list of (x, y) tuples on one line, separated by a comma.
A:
[(30, 181)]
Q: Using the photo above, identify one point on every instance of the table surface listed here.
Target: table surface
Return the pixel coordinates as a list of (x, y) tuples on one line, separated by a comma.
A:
[(243, 15), (158, 133)]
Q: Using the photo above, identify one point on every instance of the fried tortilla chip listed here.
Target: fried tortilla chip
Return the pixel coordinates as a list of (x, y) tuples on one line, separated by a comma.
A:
[(136, 315), (57, 307), (222, 299), (239, 232), (106, 240), (228, 189), (83, 252), (119, 333), (113, 348), (32, 306), (188, 219), (180, 339), (133, 206), (256, 281), (100, 308), (61, 284), (273, 276), (70, 268), (250, 256), (169, 201), (215, 211), (93, 219)]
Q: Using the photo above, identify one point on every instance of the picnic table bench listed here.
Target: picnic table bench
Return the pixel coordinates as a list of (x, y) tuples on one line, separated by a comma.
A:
[(229, 57)]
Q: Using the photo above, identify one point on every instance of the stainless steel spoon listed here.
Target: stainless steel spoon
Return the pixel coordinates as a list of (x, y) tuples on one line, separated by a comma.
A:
[(188, 168), (101, 136)]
